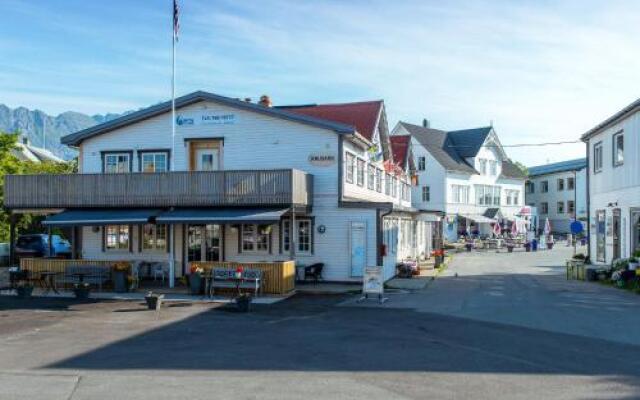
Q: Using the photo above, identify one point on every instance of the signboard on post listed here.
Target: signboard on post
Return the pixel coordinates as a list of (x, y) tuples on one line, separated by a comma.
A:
[(373, 283)]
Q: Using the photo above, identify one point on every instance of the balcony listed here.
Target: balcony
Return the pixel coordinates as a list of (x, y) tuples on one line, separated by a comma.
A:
[(282, 187)]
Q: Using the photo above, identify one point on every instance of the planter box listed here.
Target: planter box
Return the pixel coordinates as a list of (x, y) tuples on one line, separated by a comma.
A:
[(575, 270), (154, 301), (196, 284)]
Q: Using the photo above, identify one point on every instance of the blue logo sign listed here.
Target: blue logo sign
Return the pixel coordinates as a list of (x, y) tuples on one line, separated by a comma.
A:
[(576, 227), (180, 120)]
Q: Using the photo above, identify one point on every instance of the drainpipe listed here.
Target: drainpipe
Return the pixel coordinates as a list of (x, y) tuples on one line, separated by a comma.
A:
[(588, 203)]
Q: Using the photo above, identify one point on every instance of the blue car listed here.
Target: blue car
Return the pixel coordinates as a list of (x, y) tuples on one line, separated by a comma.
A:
[(37, 245)]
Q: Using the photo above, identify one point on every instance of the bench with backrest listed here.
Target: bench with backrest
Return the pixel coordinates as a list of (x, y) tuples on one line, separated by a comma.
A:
[(226, 278), (94, 274)]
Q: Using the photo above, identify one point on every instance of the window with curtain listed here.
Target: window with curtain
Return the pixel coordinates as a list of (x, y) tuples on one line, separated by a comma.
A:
[(154, 162), (117, 163), (154, 237)]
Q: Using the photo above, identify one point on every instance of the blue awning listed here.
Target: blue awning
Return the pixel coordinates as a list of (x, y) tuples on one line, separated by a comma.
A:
[(221, 215), (101, 217)]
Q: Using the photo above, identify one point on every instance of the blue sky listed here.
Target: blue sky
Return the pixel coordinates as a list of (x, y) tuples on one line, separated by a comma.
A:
[(540, 70)]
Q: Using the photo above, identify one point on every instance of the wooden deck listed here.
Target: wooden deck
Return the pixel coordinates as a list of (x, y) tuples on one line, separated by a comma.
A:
[(281, 187)]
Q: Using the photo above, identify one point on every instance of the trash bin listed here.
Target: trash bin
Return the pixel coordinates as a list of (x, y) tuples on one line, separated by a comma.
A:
[(534, 245), (592, 275)]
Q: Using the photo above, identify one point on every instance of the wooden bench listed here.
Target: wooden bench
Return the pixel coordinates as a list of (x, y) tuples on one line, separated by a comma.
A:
[(225, 278)]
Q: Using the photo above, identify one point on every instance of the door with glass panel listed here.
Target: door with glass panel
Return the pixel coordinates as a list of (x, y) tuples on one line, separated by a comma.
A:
[(204, 243), (205, 156)]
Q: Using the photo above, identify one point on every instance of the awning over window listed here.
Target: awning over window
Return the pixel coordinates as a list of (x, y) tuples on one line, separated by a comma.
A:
[(101, 217), (480, 219), (221, 215)]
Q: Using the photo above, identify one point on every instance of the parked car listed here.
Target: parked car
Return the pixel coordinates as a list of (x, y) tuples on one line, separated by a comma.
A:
[(37, 245)]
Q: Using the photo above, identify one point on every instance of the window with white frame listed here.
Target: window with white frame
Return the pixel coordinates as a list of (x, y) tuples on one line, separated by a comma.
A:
[(154, 237), (487, 195), (304, 232), (378, 180), (459, 194), (255, 238), (116, 237), (597, 157), (426, 194), (618, 149), (493, 167), (371, 176), (561, 207), (422, 163), (360, 172), (394, 187), (512, 197), (350, 166), (387, 184), (115, 163), (154, 161), (483, 166)]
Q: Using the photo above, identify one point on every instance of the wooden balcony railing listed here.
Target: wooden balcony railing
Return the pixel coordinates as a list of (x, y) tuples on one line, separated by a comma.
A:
[(281, 187)]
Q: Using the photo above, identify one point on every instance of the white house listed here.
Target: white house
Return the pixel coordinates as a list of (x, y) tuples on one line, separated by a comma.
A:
[(613, 149), (240, 182), (559, 192), (465, 175)]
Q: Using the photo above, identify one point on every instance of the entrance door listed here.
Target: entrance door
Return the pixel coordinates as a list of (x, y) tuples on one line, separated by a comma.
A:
[(635, 231), (600, 235), (205, 155), (204, 243), (616, 234), (358, 248)]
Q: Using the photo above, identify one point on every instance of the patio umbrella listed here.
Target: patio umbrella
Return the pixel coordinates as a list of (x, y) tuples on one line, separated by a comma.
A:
[(547, 227)]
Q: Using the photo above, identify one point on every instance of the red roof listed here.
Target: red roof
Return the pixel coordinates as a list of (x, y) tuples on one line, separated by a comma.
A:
[(400, 148), (363, 115)]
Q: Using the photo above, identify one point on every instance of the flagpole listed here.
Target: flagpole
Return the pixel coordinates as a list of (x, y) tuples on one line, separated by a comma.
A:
[(172, 261)]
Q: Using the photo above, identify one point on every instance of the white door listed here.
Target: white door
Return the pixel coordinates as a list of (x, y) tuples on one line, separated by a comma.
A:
[(207, 159), (358, 248)]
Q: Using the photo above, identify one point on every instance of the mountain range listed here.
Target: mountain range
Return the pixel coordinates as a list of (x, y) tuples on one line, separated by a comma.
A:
[(43, 130)]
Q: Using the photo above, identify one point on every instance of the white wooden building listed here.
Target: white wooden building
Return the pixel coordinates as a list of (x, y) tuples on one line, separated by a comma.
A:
[(466, 176), (239, 182), (613, 154)]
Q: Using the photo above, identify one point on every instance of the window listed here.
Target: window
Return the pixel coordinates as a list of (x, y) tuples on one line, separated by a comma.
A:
[(493, 167), (254, 238), (571, 207), (350, 167), (560, 184), (544, 208), (426, 196), (513, 197), (378, 180), (544, 186), (360, 175), (487, 195), (154, 161), (371, 179), (116, 237), (597, 157), (406, 193), (387, 184), (483, 166), (422, 163), (117, 163), (618, 149), (154, 237), (460, 194), (561, 207), (531, 187), (571, 183), (305, 235), (394, 187)]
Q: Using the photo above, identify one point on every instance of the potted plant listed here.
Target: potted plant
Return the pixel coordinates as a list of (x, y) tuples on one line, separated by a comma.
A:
[(633, 264), (439, 257), (154, 301), (121, 271), (81, 290), (527, 246), (617, 277), (195, 279), (510, 245), (24, 290), (243, 300), (469, 245)]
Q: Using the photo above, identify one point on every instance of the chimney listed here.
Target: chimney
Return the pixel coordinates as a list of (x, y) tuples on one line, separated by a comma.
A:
[(265, 101), (425, 123)]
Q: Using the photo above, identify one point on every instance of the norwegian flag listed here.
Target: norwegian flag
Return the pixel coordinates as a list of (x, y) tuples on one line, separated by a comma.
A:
[(176, 20)]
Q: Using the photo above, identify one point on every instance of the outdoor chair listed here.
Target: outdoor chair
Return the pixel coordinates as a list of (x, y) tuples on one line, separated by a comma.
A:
[(158, 270), (314, 271)]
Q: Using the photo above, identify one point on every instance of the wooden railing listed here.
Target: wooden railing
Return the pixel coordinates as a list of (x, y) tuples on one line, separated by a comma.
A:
[(279, 276), (280, 187), (39, 265)]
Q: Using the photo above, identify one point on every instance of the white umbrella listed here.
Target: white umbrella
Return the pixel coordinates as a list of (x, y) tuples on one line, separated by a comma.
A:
[(547, 227)]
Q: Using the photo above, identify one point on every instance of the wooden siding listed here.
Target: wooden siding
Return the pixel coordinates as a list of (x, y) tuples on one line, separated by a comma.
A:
[(167, 189), (279, 276)]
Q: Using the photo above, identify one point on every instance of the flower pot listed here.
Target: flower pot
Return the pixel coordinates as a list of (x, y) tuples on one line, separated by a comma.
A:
[(24, 292), (469, 246), (195, 284), (81, 291), (510, 249), (120, 283), (549, 245), (527, 247), (154, 301), (243, 302)]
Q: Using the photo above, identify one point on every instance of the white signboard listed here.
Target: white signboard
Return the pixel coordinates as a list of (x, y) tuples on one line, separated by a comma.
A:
[(205, 118), (373, 281)]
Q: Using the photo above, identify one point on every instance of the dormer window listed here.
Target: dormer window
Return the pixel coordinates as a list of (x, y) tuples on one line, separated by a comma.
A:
[(493, 166)]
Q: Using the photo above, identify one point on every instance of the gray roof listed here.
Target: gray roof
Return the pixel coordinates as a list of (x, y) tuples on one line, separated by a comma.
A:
[(563, 166), (435, 141), (631, 108), (468, 142), (76, 138)]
